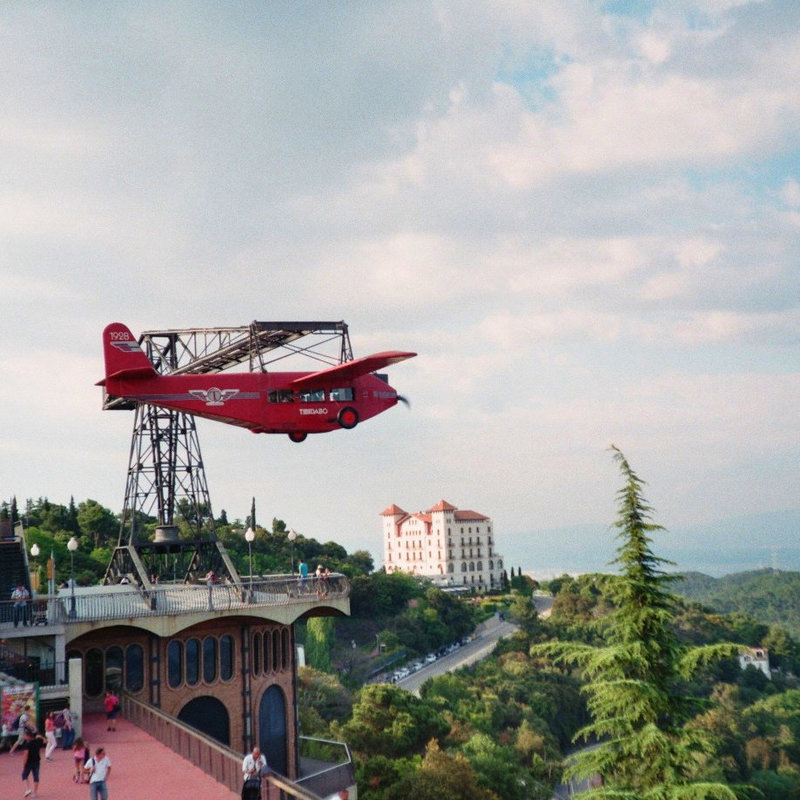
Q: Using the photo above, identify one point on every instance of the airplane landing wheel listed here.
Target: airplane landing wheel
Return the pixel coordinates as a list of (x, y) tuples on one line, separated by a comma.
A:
[(295, 436), (348, 417)]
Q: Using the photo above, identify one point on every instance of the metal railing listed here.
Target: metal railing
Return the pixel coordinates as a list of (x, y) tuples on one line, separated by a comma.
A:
[(127, 602), (29, 671), (326, 766)]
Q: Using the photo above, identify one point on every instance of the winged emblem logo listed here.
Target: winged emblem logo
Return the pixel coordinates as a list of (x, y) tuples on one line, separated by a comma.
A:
[(213, 396)]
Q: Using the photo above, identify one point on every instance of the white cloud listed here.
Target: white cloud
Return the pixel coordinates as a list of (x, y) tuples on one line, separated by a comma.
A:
[(586, 224)]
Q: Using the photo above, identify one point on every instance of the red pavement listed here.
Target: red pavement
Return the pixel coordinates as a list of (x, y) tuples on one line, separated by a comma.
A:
[(142, 769)]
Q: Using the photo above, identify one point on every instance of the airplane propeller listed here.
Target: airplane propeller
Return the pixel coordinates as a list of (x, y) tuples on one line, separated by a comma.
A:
[(404, 400)]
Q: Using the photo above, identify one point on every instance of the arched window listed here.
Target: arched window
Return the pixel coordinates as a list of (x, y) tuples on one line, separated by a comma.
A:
[(134, 668), (268, 665), (209, 659), (480, 566), (285, 648), (256, 654), (276, 650), (174, 663), (463, 566), (113, 672), (94, 672), (472, 566), (192, 662), (226, 664), (209, 715)]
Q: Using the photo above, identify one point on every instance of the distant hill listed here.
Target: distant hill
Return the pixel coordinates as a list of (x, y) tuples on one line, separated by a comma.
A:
[(767, 595), (739, 544)]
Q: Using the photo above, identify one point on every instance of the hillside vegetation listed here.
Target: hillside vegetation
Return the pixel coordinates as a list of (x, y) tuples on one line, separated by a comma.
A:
[(768, 596)]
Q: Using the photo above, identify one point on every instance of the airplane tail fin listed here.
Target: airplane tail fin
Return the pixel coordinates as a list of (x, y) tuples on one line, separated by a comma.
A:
[(125, 359)]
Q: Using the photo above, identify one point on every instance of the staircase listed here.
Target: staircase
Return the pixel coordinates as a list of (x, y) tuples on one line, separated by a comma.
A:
[(13, 571)]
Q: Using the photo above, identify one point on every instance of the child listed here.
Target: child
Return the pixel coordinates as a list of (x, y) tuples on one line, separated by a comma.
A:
[(80, 754)]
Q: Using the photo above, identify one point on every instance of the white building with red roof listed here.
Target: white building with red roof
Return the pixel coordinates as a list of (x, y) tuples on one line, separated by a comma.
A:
[(453, 547)]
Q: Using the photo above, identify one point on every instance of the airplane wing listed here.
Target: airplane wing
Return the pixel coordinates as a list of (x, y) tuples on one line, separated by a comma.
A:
[(341, 373)]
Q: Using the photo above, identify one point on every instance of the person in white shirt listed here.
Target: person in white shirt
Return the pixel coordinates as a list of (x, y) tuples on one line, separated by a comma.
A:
[(99, 771), (254, 765)]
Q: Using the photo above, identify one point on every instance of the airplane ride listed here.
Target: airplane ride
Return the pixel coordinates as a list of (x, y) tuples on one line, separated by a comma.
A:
[(294, 403)]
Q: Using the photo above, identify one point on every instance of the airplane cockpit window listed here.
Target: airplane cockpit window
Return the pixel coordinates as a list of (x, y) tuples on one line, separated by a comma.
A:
[(345, 394), (280, 396), (315, 396)]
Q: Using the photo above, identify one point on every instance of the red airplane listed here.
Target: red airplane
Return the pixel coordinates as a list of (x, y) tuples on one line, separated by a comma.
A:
[(294, 403)]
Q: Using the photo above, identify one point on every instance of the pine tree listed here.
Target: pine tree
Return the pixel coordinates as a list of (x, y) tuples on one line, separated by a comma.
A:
[(644, 750)]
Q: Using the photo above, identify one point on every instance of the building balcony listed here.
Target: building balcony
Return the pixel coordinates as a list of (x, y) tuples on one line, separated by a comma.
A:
[(167, 607)]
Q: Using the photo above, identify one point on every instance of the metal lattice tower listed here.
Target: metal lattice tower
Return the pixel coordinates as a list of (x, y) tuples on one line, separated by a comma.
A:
[(166, 478)]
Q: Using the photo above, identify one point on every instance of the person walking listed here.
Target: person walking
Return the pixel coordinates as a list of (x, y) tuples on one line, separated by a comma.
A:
[(302, 574), (80, 755), (50, 735), (24, 724), (32, 744), (111, 703), (99, 771), (67, 728), (254, 766)]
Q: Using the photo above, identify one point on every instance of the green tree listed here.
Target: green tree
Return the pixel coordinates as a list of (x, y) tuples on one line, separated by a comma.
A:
[(638, 711), (319, 636), (441, 776), (391, 722), (97, 524)]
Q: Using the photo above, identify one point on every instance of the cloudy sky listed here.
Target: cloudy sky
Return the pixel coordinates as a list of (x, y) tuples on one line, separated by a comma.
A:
[(584, 216)]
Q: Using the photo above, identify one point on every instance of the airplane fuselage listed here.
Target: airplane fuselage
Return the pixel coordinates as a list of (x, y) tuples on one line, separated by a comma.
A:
[(262, 402)]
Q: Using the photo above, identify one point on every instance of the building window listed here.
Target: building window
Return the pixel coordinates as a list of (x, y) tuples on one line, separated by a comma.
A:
[(134, 668), (226, 665), (113, 673), (192, 662), (209, 659), (256, 653), (268, 667), (94, 672), (285, 649), (174, 663)]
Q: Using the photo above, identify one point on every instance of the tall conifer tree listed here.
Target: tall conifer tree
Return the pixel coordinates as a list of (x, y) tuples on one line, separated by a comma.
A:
[(633, 682)]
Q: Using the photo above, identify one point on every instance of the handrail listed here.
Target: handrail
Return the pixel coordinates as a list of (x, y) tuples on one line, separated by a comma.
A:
[(221, 762), (96, 603)]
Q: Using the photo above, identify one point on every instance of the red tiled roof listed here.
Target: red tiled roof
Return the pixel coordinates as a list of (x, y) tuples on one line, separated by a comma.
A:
[(392, 510), (443, 505), (464, 516)]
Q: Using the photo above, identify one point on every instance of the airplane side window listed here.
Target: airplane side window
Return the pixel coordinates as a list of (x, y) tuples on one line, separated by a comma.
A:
[(316, 396), (345, 394), (280, 396)]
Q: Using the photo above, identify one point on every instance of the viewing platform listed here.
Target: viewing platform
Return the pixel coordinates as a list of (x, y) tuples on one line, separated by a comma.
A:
[(281, 598)]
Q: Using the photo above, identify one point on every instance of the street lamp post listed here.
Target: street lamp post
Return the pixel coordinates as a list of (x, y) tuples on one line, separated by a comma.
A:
[(35, 553), (291, 536), (72, 546), (34, 583), (249, 535)]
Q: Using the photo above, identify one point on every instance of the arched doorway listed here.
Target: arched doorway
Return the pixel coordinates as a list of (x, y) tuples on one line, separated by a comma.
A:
[(272, 728), (208, 715)]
